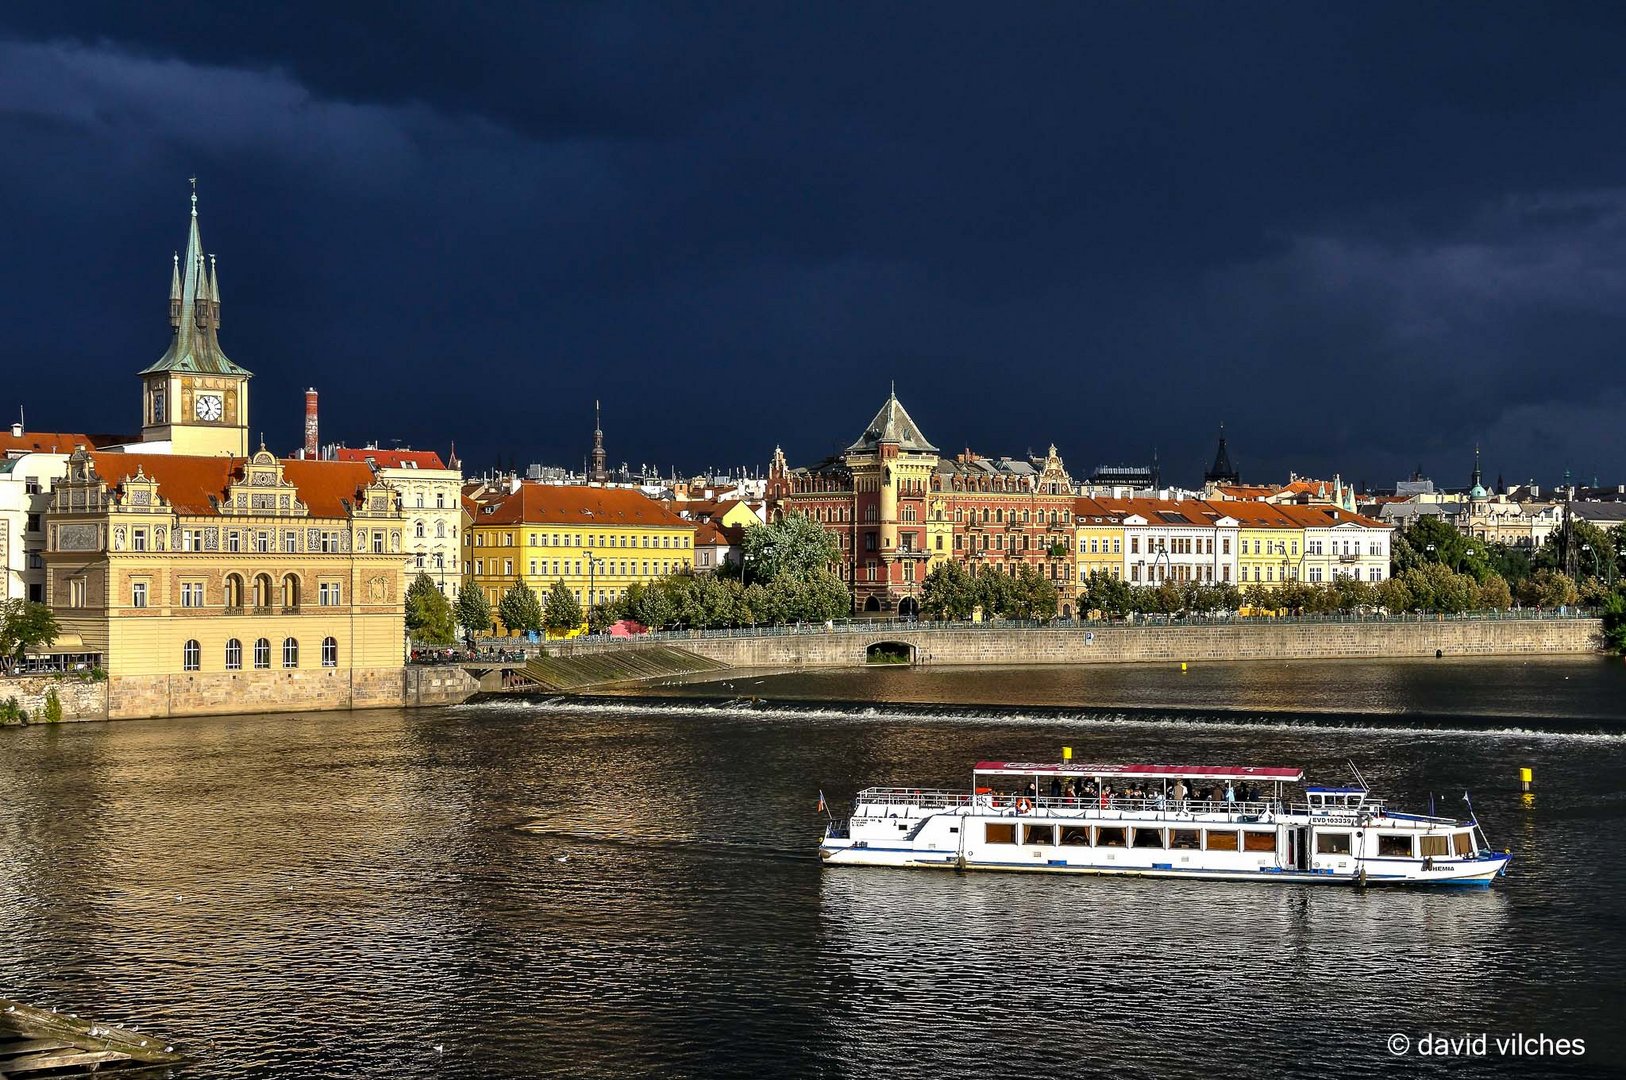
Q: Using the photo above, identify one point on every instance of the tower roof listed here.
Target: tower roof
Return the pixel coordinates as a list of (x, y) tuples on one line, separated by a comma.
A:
[(893, 424), (195, 347), (1222, 471)]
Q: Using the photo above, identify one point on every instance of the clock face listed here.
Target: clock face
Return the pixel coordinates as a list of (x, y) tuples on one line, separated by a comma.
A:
[(207, 407)]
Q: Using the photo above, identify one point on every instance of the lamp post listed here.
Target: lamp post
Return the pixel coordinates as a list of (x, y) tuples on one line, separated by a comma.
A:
[(592, 578)]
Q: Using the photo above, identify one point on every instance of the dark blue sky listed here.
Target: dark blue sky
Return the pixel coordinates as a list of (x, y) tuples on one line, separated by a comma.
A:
[(1364, 239)]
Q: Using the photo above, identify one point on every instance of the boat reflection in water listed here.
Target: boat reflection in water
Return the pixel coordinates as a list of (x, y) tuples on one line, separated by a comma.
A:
[(1090, 976)]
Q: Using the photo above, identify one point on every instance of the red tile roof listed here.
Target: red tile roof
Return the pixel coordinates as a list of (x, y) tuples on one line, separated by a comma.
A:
[(551, 504), (196, 485), (43, 442), (710, 534), (392, 459)]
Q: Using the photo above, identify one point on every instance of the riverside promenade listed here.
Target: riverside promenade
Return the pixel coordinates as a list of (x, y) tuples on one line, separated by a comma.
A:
[(855, 644)]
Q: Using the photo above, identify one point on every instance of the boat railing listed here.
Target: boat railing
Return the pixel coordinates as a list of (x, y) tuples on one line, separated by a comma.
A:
[(1048, 804), (1369, 806), (895, 796)]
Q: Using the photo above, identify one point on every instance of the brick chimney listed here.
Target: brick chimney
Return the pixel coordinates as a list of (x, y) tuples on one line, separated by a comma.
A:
[(313, 449)]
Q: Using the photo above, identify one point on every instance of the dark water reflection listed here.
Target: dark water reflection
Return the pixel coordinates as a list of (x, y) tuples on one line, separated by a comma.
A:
[(606, 890)]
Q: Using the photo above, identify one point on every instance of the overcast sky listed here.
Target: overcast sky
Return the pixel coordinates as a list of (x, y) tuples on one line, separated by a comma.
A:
[(1365, 239)]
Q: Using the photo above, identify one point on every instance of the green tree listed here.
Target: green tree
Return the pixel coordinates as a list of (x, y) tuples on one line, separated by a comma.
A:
[(992, 588), (429, 614), (795, 545), (473, 610), (1107, 594), (1436, 541), (603, 616), (1033, 595), (1392, 596), (562, 613), (1614, 622), (1509, 563), (948, 592), (1547, 588), (1352, 594), (519, 609), (1494, 594), (24, 627)]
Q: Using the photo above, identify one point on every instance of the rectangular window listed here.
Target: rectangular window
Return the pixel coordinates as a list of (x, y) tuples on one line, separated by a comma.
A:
[(76, 592), (290, 542), (1258, 840), (508, 568), (138, 594), (1134, 545), (1433, 845), (479, 566), (1394, 846), (191, 594), (1220, 840), (1149, 838), (1185, 839), (328, 594), (1463, 842), (1075, 836), (234, 540), (1110, 837), (1315, 573), (993, 833), (378, 543), (262, 543), (1332, 843), (533, 567), (138, 540), (1038, 834)]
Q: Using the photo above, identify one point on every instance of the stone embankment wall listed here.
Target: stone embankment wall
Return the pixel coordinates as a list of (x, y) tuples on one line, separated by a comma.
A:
[(81, 699), (302, 690), (1118, 644), (135, 697)]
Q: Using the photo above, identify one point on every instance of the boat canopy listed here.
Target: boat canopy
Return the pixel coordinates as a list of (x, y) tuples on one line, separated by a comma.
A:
[(1143, 772)]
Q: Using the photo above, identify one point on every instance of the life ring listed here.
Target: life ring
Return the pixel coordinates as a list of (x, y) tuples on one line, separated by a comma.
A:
[(1023, 806)]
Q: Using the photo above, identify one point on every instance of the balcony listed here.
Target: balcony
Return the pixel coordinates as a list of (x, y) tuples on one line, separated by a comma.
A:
[(1348, 558)]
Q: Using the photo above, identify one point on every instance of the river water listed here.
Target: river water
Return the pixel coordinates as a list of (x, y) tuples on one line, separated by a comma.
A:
[(618, 887)]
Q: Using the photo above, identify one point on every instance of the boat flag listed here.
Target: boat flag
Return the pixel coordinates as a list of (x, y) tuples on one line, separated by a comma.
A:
[(822, 807)]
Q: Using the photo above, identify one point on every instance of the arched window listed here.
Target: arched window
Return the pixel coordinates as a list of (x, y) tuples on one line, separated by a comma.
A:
[(263, 592), (290, 593), (418, 530), (290, 652), (262, 654), (234, 655), (234, 590), (330, 652), (440, 529), (191, 656)]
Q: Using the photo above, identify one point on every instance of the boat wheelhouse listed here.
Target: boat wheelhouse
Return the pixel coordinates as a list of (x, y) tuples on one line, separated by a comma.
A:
[(1224, 823)]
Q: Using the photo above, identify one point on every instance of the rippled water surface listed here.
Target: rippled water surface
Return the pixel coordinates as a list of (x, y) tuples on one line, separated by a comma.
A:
[(613, 889)]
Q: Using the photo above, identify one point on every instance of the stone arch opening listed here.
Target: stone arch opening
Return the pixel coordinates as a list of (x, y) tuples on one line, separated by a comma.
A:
[(872, 604), (908, 607), (889, 652)]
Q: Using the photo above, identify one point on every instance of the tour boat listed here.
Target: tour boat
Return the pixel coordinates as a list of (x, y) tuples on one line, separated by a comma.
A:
[(1191, 821)]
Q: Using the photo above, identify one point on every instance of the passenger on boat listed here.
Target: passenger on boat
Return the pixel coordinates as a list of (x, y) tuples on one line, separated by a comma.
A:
[(1055, 787), (1180, 794)]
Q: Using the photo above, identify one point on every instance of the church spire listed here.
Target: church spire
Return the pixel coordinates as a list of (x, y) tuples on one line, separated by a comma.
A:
[(1222, 471), (194, 311), (599, 475)]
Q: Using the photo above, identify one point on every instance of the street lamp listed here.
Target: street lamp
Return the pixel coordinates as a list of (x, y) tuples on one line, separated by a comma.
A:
[(592, 578)]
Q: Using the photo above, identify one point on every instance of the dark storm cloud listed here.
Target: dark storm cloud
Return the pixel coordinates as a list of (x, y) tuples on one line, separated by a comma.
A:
[(1364, 239)]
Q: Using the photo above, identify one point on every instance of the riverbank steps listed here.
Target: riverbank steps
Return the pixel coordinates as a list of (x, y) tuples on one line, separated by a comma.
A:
[(566, 673)]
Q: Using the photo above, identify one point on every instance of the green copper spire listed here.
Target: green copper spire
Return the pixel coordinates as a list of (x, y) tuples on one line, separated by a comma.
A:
[(194, 306)]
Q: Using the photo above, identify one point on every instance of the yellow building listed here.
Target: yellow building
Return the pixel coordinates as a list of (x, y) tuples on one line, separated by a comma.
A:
[(227, 583), (1098, 540), (599, 541), (1270, 543)]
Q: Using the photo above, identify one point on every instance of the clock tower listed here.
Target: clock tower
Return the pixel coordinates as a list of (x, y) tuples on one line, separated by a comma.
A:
[(194, 398)]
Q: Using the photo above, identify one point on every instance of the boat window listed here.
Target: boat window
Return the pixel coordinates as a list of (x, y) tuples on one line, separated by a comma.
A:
[(1464, 842), (1075, 835), (1258, 840), (1226, 840), (999, 834), (1039, 834), (1109, 837), (1394, 846), (1149, 838), (1332, 843), (1188, 839), (1434, 844)]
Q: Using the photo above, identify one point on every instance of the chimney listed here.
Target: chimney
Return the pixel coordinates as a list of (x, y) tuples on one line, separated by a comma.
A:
[(313, 449)]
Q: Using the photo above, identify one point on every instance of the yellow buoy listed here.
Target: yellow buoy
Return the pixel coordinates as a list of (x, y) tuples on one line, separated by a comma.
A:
[(1524, 778), (1182, 665), (1067, 753)]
